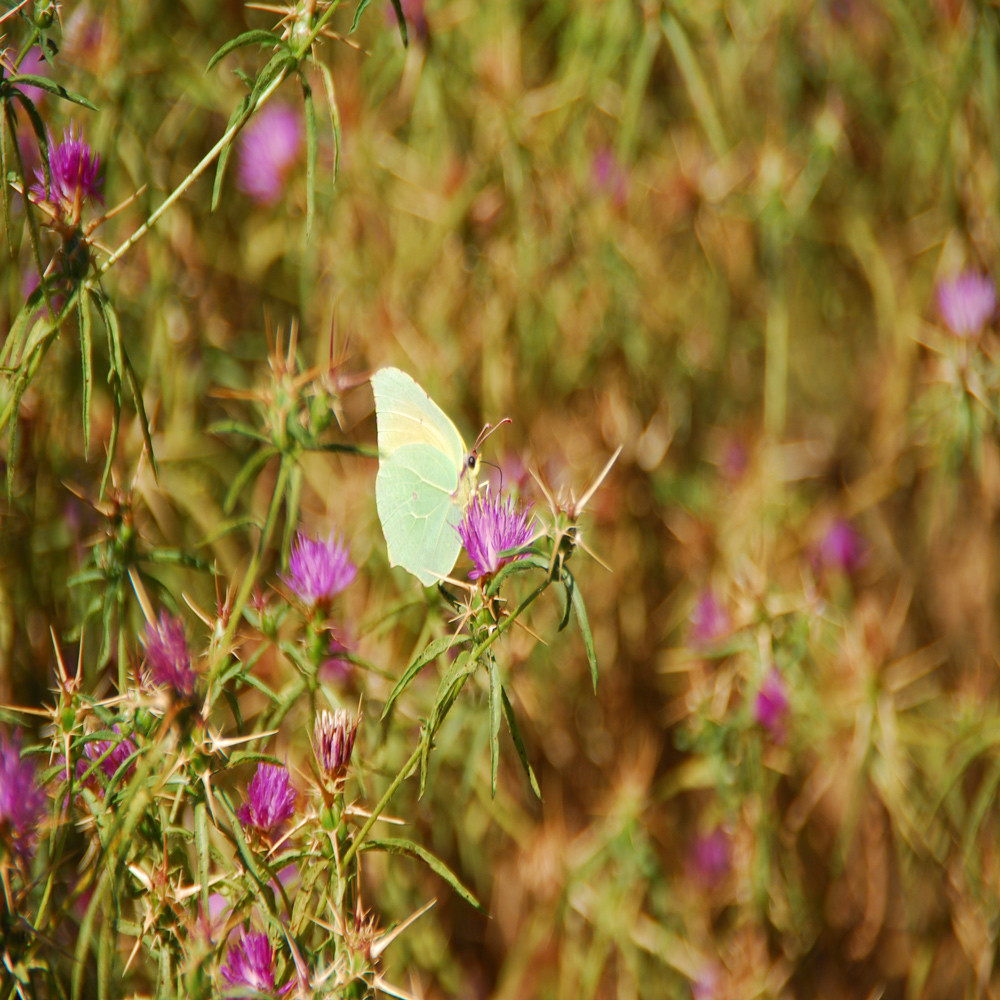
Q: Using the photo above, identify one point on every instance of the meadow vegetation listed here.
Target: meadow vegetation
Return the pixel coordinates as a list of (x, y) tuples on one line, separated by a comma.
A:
[(727, 725)]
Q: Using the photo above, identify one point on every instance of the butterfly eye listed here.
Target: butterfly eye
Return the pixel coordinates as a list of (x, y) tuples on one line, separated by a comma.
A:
[(471, 461)]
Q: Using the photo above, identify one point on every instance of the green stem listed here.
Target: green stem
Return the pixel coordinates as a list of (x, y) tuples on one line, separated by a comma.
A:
[(408, 767), (246, 587), (205, 163)]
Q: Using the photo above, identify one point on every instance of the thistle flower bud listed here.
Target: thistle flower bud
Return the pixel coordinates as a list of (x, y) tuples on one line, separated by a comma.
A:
[(333, 742)]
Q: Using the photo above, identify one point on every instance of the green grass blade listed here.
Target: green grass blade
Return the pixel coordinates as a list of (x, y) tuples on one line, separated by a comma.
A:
[(494, 722)]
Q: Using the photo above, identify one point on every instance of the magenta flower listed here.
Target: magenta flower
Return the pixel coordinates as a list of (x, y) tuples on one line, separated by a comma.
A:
[(120, 751), (771, 705), (492, 524), (74, 181), (250, 963), (268, 148), (711, 856), (22, 801), (317, 570), (710, 621), (609, 177), (270, 799), (842, 548), (168, 662), (333, 741), (966, 302)]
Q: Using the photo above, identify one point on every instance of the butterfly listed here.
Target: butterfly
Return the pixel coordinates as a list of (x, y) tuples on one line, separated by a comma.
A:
[(426, 477)]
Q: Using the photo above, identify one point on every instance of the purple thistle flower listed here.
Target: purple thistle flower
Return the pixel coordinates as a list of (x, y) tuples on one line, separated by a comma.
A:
[(270, 799), (317, 570), (250, 963), (333, 742), (22, 801), (73, 166), (710, 621), (711, 856), (121, 750), (269, 146), (966, 302), (168, 662), (842, 548), (609, 177), (771, 705), (492, 524)]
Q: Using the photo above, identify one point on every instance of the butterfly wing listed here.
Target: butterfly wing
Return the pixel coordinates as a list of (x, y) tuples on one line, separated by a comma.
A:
[(421, 455), (405, 414), (413, 494)]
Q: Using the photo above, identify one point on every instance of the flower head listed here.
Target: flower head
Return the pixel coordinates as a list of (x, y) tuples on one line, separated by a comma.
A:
[(771, 705), (966, 303), (492, 524), (118, 751), (270, 799), (710, 620), (73, 168), (250, 963), (333, 742), (711, 856), (842, 548), (168, 662), (609, 177), (22, 801), (318, 570), (269, 146)]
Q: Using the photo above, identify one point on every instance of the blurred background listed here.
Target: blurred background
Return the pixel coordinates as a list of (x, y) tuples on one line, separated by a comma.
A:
[(723, 235)]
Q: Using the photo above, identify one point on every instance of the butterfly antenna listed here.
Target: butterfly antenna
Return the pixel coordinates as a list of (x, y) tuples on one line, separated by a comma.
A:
[(487, 430)]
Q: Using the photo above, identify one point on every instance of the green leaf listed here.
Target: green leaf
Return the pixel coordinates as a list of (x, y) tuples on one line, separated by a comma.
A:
[(362, 4), (519, 566), (256, 36), (202, 849), (86, 362), (44, 83), (584, 622), (515, 735), (312, 153), (397, 6), (276, 66), (331, 100), (238, 117), (250, 468), (495, 690), (394, 845), (430, 653)]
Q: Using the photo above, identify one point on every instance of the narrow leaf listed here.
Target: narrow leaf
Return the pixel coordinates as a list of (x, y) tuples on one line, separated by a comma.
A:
[(45, 83), (256, 36), (430, 653), (86, 361), (495, 690), (312, 153), (395, 845), (331, 100), (584, 622), (239, 115), (515, 735)]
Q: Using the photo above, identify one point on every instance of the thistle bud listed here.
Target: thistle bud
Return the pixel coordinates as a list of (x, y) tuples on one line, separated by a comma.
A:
[(333, 742)]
